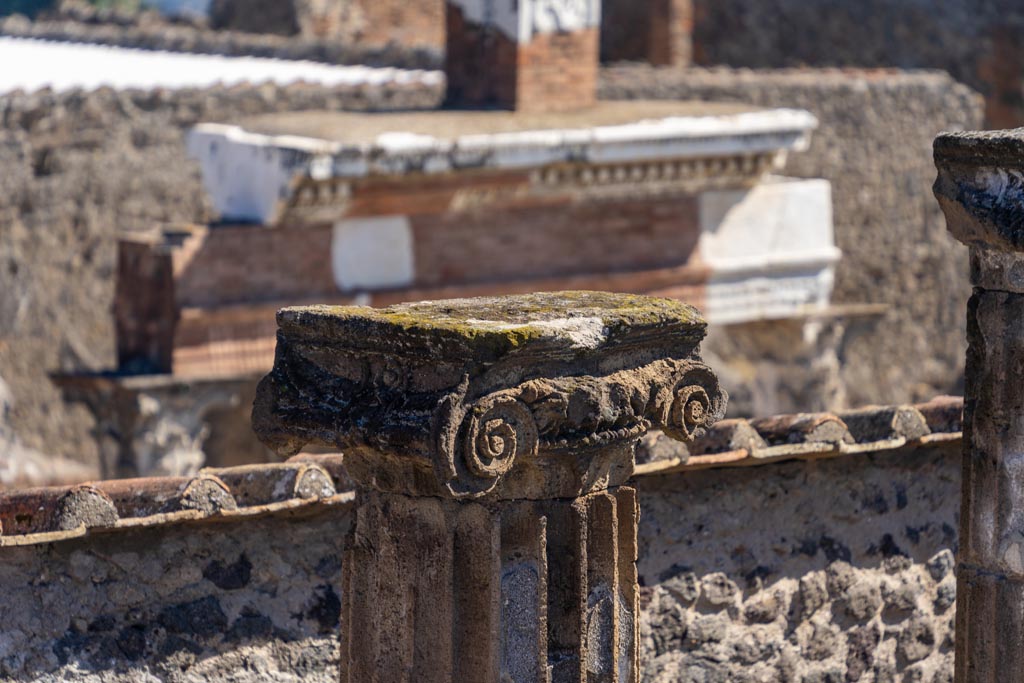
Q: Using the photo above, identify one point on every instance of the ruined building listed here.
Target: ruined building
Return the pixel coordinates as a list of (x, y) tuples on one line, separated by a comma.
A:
[(559, 192), (483, 522), (537, 487), (86, 166)]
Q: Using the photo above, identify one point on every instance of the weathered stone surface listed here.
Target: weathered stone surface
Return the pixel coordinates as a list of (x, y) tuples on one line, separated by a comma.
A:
[(529, 396), (443, 590), (979, 186), (178, 603), (79, 167), (838, 564), (264, 598), (980, 189)]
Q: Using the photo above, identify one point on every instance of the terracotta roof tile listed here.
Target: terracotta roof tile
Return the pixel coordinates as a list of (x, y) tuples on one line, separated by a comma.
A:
[(807, 436), (43, 515)]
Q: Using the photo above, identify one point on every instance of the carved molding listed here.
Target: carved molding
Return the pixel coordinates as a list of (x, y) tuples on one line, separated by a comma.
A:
[(477, 442), (328, 200)]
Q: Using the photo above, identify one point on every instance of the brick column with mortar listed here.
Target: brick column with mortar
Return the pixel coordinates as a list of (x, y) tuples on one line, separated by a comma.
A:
[(491, 441), (980, 187), (530, 55)]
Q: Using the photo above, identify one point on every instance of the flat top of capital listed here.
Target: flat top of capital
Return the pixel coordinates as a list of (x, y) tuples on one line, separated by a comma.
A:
[(493, 326), (981, 148)]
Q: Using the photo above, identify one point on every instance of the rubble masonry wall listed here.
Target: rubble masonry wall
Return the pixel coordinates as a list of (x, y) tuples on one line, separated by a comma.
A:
[(836, 570)]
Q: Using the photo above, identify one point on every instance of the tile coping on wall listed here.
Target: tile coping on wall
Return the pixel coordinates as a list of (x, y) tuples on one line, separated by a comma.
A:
[(307, 484)]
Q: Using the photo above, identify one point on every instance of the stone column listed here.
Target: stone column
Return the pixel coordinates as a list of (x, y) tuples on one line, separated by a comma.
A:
[(491, 441), (981, 189), (533, 55)]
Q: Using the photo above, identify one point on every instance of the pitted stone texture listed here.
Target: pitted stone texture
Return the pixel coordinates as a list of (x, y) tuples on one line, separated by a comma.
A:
[(794, 585), (441, 590), (981, 190), (533, 396), (980, 187), (244, 602)]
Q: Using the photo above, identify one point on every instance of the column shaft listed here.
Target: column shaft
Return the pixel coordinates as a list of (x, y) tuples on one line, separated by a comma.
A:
[(506, 592)]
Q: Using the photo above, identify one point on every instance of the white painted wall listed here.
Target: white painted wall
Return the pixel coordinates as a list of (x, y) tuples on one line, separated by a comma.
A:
[(771, 250), (373, 253), (520, 20), (249, 182)]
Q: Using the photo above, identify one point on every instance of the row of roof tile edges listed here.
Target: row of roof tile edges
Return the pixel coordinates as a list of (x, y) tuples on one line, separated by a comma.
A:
[(56, 513), (806, 436), (313, 482)]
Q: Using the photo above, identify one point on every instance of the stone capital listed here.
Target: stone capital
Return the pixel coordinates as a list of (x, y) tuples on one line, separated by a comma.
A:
[(536, 396), (980, 187)]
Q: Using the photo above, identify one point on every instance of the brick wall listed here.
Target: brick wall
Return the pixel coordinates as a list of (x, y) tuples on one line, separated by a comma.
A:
[(227, 265), (229, 280), (232, 265), (480, 65), (558, 71), (654, 31), (552, 72), (560, 240)]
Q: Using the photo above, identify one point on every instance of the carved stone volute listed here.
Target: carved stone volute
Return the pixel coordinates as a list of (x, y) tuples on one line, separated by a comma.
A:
[(537, 396)]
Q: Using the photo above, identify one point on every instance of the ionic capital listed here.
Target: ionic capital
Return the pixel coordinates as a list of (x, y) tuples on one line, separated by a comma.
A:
[(536, 396)]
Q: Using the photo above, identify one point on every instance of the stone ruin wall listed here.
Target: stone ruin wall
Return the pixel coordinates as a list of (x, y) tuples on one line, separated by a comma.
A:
[(816, 572), (977, 41), (873, 145), (250, 601), (78, 169), (382, 33), (855, 585)]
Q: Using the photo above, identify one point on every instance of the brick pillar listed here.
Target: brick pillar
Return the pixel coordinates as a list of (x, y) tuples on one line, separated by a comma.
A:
[(491, 441), (981, 190), (530, 55), (145, 310), (658, 32)]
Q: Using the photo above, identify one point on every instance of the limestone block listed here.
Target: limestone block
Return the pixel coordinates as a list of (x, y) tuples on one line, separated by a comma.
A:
[(373, 253)]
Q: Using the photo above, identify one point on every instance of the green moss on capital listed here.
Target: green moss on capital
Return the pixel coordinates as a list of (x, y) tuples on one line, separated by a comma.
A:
[(506, 322)]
